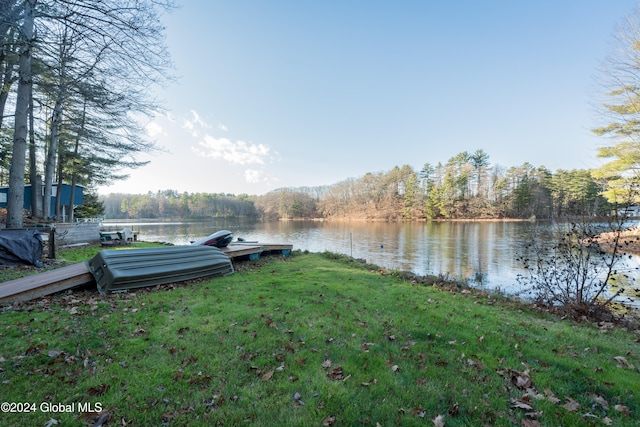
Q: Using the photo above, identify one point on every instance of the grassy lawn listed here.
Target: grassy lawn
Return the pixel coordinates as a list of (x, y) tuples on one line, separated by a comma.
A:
[(311, 340)]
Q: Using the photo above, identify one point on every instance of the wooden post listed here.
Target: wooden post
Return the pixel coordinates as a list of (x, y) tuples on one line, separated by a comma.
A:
[(52, 244)]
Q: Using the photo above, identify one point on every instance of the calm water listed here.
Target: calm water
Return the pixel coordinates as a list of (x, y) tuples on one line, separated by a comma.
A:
[(482, 252)]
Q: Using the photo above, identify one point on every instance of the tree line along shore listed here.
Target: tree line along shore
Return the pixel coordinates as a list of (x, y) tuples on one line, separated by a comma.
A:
[(465, 187)]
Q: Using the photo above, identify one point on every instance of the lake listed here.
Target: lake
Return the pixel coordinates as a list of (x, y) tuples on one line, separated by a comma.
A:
[(484, 253)]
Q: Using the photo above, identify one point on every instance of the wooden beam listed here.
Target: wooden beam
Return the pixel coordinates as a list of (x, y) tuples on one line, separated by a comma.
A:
[(237, 250), (48, 282)]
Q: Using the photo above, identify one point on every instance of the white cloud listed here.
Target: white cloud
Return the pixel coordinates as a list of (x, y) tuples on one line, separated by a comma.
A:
[(222, 127), (197, 120), (252, 176), (154, 129), (238, 152), (194, 124)]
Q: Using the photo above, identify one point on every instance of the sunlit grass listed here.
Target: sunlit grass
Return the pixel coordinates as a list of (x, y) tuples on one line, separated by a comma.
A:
[(314, 339)]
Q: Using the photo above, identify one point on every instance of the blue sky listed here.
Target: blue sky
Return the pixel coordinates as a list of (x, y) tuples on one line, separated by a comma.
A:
[(290, 93)]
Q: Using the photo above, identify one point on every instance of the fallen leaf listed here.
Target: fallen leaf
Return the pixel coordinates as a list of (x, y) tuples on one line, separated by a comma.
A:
[(551, 397), (336, 374), (32, 350), (104, 418), (419, 412), (571, 405), (454, 411), (521, 380), (596, 398), (98, 390), (438, 421), (518, 404), (623, 362), (329, 421), (54, 353), (326, 364), (201, 379), (621, 408), (267, 376), (395, 368)]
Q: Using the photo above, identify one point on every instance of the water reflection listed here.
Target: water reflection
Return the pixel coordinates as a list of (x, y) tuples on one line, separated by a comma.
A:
[(484, 252)]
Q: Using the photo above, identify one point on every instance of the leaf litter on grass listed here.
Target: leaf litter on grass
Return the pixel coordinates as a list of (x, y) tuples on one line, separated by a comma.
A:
[(359, 346)]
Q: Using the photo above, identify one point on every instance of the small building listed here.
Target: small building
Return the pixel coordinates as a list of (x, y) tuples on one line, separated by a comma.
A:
[(65, 194), (629, 212)]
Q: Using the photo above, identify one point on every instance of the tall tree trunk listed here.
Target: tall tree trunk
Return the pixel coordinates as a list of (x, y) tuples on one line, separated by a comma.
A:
[(72, 198), (74, 166), (58, 209), (50, 164), (15, 199), (6, 70), (36, 192)]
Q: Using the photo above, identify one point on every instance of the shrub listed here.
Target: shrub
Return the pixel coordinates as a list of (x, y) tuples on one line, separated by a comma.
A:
[(567, 266)]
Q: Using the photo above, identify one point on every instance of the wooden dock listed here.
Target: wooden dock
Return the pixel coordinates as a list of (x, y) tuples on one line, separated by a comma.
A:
[(60, 279), (46, 283), (254, 250)]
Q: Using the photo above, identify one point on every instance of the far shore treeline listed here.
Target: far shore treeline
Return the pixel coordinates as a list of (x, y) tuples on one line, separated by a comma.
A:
[(466, 186)]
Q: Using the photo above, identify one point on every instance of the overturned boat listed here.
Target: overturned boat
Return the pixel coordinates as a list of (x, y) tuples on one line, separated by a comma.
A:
[(116, 270), (219, 239)]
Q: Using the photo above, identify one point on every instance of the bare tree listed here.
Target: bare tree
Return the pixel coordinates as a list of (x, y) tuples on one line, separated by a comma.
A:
[(15, 198), (9, 16), (116, 48)]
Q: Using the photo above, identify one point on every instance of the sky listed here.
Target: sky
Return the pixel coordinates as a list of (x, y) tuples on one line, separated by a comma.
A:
[(293, 93)]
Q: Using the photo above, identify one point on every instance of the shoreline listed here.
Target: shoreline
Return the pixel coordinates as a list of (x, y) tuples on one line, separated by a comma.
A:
[(628, 241)]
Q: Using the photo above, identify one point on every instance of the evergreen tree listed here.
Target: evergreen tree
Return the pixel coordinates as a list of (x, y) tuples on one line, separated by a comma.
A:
[(622, 112)]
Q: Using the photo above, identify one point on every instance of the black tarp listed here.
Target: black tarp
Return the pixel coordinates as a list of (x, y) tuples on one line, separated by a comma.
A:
[(19, 247)]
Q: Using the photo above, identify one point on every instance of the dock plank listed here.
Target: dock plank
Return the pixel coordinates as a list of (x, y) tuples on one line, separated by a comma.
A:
[(48, 282), (234, 250), (239, 249)]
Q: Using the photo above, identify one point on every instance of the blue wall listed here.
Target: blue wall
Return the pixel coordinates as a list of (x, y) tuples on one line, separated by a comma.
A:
[(65, 193)]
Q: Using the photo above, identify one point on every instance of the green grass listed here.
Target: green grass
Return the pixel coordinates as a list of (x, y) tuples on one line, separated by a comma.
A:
[(310, 340)]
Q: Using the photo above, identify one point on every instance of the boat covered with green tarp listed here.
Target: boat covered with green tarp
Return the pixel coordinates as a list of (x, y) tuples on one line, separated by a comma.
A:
[(118, 270)]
